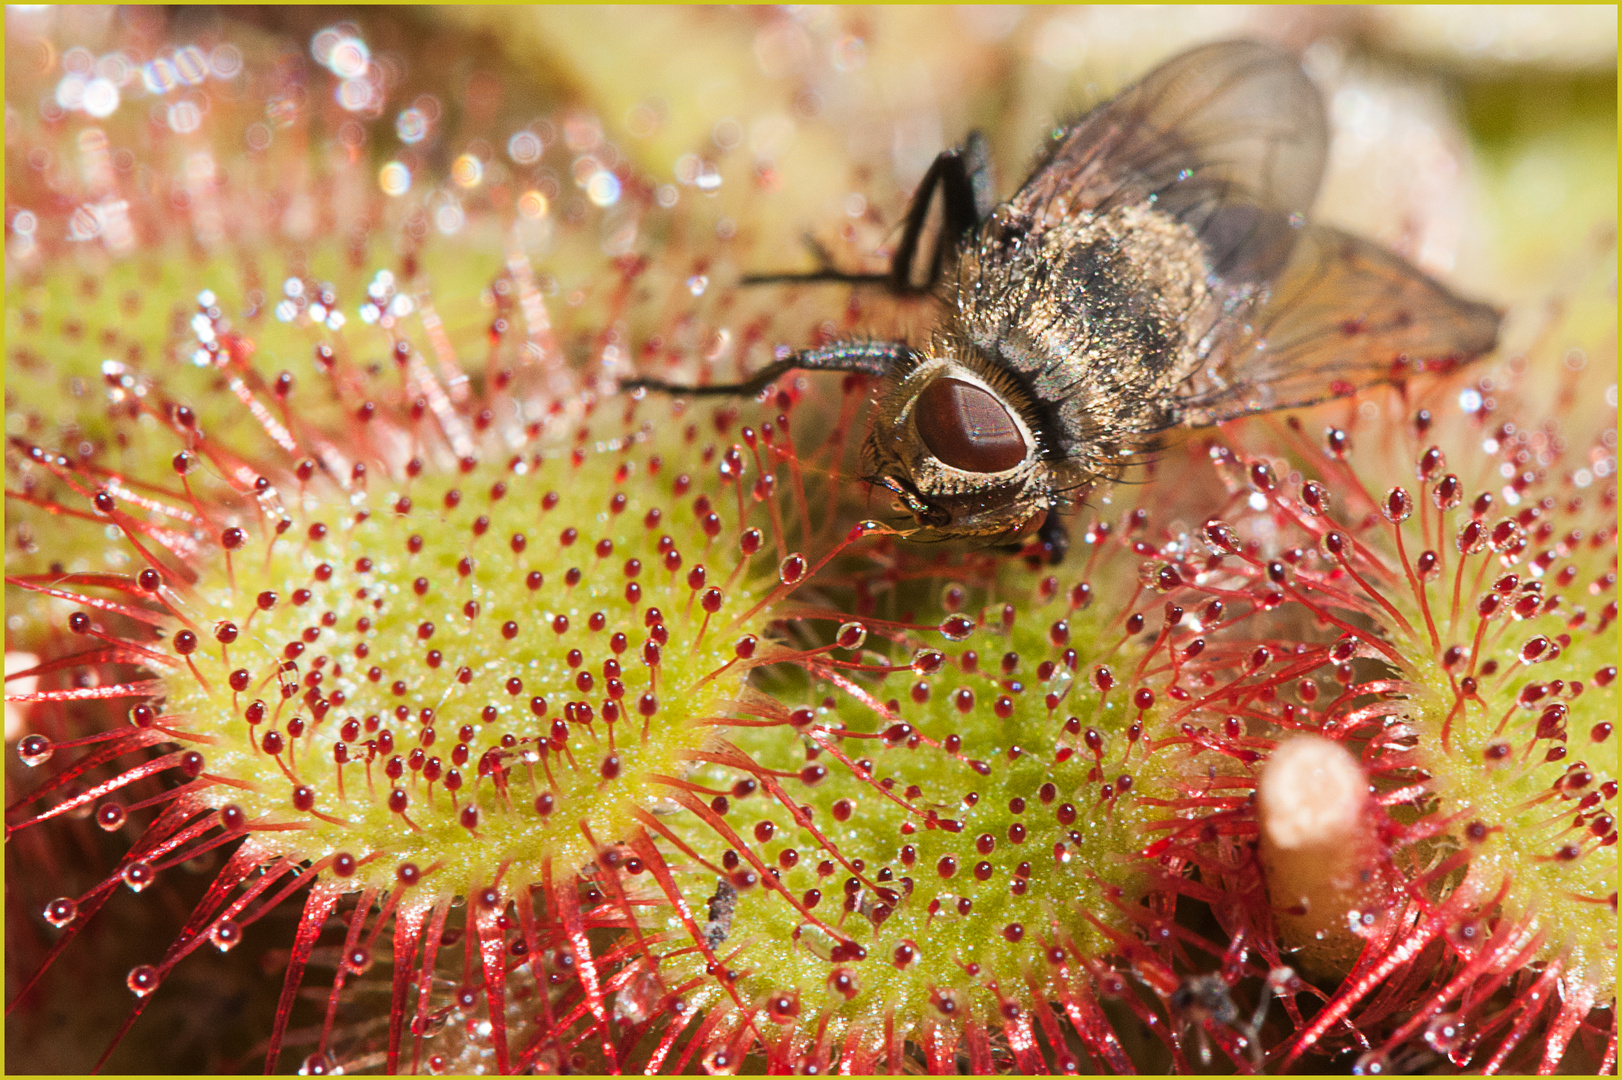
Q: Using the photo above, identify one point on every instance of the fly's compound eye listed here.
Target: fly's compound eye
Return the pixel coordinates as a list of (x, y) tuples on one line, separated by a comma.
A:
[(967, 428)]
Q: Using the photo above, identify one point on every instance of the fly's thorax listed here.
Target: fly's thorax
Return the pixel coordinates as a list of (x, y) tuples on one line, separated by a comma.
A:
[(1101, 316)]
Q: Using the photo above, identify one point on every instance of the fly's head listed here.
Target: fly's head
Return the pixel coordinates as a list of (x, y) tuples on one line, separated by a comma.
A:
[(960, 446)]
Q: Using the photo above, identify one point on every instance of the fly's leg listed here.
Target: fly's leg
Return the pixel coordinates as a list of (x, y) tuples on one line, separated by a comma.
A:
[(962, 176), (1054, 537), (1276, 985), (860, 357), (826, 271)]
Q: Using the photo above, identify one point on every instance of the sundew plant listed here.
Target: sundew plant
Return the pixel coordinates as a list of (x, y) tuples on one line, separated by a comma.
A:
[(388, 689)]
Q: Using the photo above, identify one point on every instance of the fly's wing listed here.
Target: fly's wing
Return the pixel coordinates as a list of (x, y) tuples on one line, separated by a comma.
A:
[(1227, 138), (1345, 314)]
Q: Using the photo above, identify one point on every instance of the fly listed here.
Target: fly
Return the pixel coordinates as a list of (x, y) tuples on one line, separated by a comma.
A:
[(1156, 271)]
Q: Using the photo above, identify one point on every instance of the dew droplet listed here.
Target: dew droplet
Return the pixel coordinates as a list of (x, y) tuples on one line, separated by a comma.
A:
[(1534, 650), (1445, 1033), (110, 816), (1398, 505), (1506, 535), (226, 935), (1221, 536), (138, 875), (1159, 576), (1472, 538), (142, 979), (851, 635), (720, 1061), (61, 911), (317, 1064), (34, 750), (359, 960), (1430, 464), (957, 627), (791, 569), (927, 661), (1373, 1063)]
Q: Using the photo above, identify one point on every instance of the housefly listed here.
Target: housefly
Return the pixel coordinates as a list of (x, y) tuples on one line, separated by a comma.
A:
[(1156, 271)]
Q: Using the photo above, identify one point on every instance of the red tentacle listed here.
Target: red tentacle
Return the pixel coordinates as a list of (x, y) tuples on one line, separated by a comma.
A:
[(493, 959), (189, 938), (979, 1048), (1341, 1004), (407, 928), (163, 827), (859, 1054), (425, 974), (123, 779), (940, 1049), (1579, 1000), (548, 1022), (316, 909), (701, 1037), (144, 615), (1094, 1027), (144, 688), (124, 742), (1530, 1003), (1022, 1041), (1063, 1060), (357, 921), (568, 906), (673, 1032), (655, 863)]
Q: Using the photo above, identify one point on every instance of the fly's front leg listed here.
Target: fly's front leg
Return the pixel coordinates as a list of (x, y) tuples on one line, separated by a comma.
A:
[(962, 176), (859, 357)]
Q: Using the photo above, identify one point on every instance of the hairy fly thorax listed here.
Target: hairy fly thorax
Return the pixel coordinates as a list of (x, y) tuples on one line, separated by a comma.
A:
[(1084, 328), (1099, 318)]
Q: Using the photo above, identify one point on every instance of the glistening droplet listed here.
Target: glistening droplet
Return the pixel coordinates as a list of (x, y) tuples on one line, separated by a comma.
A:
[(851, 635)]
